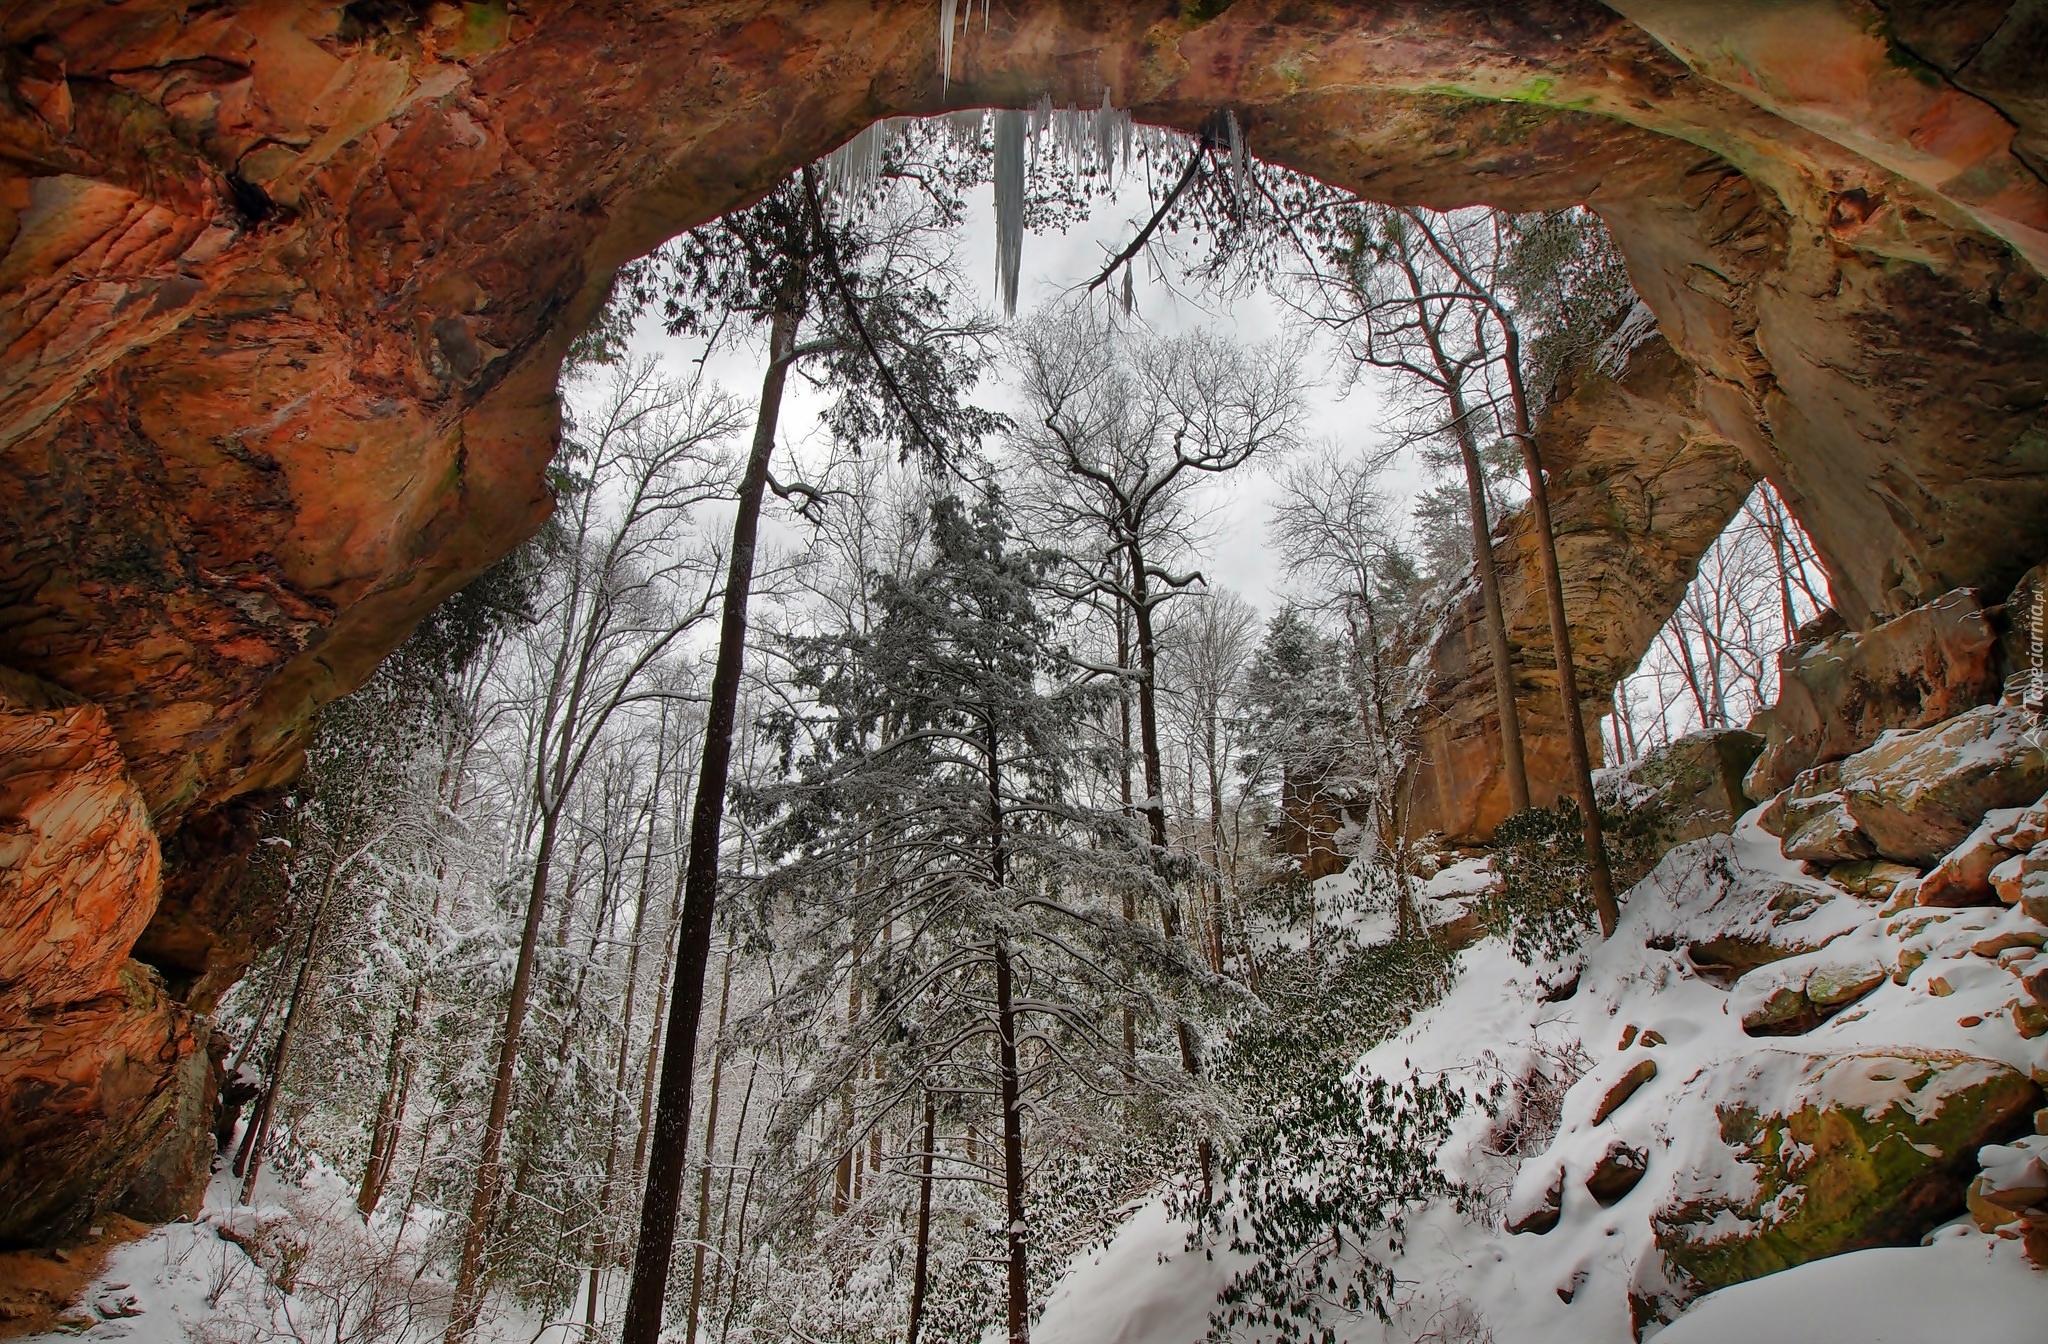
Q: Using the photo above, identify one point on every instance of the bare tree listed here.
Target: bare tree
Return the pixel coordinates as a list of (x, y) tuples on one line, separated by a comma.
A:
[(1474, 247), (1336, 528), (1408, 313), (629, 589)]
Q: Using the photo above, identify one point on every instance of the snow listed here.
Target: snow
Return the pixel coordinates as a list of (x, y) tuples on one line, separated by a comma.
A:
[(1146, 1288), (1460, 1277), (214, 1279), (1963, 1286)]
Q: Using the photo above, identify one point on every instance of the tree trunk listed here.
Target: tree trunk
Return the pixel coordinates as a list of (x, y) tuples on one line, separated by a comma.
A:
[(647, 1083), (731, 1178), (1155, 803), (669, 1157), (1774, 528), (600, 1251), (390, 1109), (710, 1138), (250, 1162), (921, 1273), (1013, 1153), (1006, 1059), (490, 1175), (739, 1241), (1123, 710), (1211, 747), (1496, 622), (1599, 882), (1453, 379)]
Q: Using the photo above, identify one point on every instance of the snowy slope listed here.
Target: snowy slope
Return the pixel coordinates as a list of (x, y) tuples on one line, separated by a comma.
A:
[(1463, 1279)]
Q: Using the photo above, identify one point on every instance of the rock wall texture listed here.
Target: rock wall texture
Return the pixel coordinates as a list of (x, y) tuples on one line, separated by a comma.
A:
[(1642, 484), (284, 288)]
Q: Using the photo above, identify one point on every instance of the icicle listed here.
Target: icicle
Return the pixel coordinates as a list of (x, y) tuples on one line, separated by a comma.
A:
[(857, 165), (1009, 193), (1106, 118), (948, 10), (963, 129), (1130, 291), (1236, 135)]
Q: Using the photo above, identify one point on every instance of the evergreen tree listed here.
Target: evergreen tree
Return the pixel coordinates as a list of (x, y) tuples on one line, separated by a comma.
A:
[(928, 837), (859, 285)]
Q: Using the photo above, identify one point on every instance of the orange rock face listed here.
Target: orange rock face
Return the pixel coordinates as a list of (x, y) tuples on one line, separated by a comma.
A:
[(104, 1072), (1641, 484), (285, 286), (79, 866)]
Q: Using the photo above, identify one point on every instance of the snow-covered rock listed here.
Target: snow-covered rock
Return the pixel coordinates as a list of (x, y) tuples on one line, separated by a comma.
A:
[(1961, 1287), (1812, 1155), (1918, 795), (1757, 1155)]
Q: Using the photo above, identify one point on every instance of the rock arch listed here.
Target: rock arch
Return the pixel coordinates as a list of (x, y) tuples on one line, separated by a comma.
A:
[(284, 289)]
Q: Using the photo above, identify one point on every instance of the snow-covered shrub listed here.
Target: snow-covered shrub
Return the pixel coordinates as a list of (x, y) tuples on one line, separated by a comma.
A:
[(1322, 1194), (1541, 906)]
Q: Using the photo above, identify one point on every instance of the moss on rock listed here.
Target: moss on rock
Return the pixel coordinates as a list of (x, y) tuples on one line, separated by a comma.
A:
[(1855, 1150)]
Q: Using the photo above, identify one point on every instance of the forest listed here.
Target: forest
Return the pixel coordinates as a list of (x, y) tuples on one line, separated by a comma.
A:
[(978, 843)]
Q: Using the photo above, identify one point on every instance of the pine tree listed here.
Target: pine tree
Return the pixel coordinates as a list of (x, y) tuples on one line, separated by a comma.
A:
[(859, 286), (929, 834)]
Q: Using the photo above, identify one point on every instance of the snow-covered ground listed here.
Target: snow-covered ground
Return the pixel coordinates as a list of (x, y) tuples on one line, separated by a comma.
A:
[(299, 1264), (1463, 1278)]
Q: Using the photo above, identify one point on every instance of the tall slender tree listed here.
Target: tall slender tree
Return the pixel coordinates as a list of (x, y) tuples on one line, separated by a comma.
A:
[(626, 592), (1474, 249), (864, 287), (1118, 433), (1398, 314)]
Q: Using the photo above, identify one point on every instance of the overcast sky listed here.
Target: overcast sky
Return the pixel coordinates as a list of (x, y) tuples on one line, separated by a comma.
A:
[(1237, 557)]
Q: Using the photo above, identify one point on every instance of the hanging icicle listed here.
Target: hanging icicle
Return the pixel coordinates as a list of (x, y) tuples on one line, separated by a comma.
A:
[(857, 165), (1009, 193), (949, 11)]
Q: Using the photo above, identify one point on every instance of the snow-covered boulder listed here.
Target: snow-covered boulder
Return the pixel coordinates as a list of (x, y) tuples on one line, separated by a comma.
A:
[(1731, 914), (1817, 1154), (1688, 789), (1840, 689), (1919, 795)]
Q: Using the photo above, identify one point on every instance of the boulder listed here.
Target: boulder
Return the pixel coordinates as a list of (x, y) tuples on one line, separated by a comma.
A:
[(2014, 1180), (2016, 875), (1872, 879), (1685, 790), (1729, 917), (1625, 1087), (1619, 1170), (1918, 795), (1535, 1206), (2026, 621), (1963, 877), (2029, 828), (1819, 829), (1841, 689), (1818, 1154), (1792, 997)]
